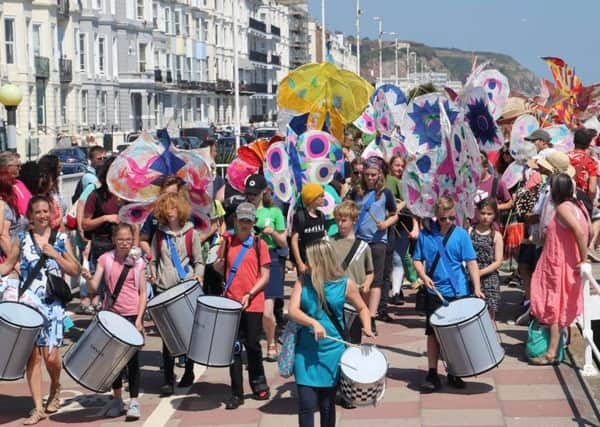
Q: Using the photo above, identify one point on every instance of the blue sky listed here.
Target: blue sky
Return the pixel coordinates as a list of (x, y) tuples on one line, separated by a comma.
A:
[(524, 29)]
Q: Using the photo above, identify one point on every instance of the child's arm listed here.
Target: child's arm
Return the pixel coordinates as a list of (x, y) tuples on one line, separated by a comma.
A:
[(300, 317), (498, 255), (139, 321), (258, 286), (296, 252), (93, 281), (358, 303), (367, 282)]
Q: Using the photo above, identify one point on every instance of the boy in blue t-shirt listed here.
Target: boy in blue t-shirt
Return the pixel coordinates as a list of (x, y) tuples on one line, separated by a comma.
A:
[(451, 284)]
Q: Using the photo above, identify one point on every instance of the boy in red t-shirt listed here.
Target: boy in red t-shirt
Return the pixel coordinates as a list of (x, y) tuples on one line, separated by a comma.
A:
[(247, 288)]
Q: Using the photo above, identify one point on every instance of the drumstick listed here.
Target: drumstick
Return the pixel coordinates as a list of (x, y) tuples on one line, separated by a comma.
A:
[(445, 303), (364, 349)]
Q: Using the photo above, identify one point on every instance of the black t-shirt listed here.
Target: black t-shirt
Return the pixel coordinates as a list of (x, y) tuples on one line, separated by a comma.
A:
[(232, 200), (309, 229)]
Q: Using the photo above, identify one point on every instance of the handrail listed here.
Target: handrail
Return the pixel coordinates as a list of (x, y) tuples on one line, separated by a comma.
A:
[(585, 321)]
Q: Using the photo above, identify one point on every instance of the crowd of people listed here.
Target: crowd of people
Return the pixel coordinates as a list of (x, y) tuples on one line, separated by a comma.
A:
[(372, 248)]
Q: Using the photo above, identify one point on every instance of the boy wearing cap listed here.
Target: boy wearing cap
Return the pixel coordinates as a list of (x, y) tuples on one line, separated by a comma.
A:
[(309, 223), (246, 286)]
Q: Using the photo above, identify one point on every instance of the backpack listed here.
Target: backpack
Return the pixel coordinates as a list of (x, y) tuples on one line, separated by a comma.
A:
[(189, 235)]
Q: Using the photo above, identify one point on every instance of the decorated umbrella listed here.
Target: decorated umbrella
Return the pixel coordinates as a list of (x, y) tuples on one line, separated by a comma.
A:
[(561, 138), (482, 123), (366, 124), (248, 161), (520, 149), (326, 89), (418, 182), (496, 86), (389, 106)]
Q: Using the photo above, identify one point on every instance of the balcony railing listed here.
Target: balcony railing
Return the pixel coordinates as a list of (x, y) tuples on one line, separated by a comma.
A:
[(258, 56), (169, 77), (258, 87), (158, 75), (42, 67), (275, 30), (259, 118), (275, 60), (224, 85), (208, 86), (255, 24), (62, 9), (245, 88), (66, 70)]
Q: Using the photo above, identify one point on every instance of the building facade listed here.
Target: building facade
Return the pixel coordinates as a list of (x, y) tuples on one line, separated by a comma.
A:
[(120, 66)]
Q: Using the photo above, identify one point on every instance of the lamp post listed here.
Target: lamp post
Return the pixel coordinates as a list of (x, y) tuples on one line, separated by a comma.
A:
[(379, 20), (414, 56), (358, 13), (323, 48), (407, 62), (395, 34), (10, 97), (236, 80)]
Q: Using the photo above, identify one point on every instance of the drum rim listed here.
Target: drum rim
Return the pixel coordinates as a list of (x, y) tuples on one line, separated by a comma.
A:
[(22, 326), (485, 370), (450, 325), (219, 308), (81, 383), (151, 305), (211, 365), (99, 322)]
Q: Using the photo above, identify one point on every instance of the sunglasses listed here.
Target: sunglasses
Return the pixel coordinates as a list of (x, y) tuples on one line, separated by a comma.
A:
[(446, 218)]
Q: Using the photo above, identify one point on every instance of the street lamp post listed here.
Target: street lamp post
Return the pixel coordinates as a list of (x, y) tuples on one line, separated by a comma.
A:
[(358, 13), (414, 56), (236, 79), (10, 97), (379, 20), (323, 49)]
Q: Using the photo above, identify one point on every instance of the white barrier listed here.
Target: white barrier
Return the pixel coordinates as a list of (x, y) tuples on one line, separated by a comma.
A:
[(591, 311), (67, 185)]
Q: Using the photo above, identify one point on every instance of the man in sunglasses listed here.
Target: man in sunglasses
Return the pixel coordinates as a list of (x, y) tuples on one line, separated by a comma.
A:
[(447, 275)]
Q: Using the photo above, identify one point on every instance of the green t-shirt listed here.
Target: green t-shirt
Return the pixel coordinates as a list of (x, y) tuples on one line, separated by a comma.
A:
[(362, 261), (393, 184), (270, 217)]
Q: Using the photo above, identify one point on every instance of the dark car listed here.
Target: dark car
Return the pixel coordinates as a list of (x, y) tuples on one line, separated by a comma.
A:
[(186, 143), (266, 133), (69, 155), (202, 133), (247, 133), (72, 168)]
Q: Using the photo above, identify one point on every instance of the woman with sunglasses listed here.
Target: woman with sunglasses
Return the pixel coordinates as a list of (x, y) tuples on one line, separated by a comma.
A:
[(450, 280)]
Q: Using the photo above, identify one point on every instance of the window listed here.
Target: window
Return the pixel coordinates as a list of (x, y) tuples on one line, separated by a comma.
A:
[(198, 110), (40, 89), (140, 10), (103, 105), (178, 66), (82, 52), (197, 28), (35, 33), (101, 53), (188, 109), (156, 60), (155, 15), (84, 107), (188, 68), (177, 22), (186, 23), (99, 5), (204, 30), (168, 27), (115, 58), (142, 57), (116, 108), (54, 45), (217, 34), (63, 106), (9, 39)]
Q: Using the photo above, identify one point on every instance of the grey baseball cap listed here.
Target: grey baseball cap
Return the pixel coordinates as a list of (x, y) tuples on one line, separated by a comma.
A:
[(246, 210), (538, 134)]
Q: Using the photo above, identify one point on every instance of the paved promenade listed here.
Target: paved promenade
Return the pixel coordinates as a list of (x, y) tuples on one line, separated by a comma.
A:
[(514, 394)]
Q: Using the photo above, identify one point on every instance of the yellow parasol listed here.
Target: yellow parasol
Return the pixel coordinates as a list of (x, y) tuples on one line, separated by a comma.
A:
[(324, 90)]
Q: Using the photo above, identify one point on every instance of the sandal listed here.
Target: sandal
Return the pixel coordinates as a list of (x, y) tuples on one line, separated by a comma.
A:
[(53, 404), (543, 360), (35, 417), (272, 353)]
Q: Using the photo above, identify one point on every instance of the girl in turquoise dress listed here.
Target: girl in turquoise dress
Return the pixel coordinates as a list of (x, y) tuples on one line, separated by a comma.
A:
[(316, 365)]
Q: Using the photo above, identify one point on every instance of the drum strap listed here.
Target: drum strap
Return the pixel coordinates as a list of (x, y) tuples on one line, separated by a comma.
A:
[(247, 244), (119, 285), (336, 322), (350, 254), (365, 209), (38, 266), (444, 256), (436, 260)]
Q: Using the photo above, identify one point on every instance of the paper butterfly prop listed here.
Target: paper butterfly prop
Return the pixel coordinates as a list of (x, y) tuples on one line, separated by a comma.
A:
[(314, 156), (249, 160), (366, 124), (477, 114), (137, 172), (389, 107), (496, 86), (421, 124), (520, 149), (561, 138)]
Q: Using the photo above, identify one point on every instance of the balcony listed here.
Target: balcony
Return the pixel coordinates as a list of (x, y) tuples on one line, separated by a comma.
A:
[(42, 67), (257, 25), (66, 70), (169, 77), (245, 89), (62, 11), (276, 31), (225, 86), (208, 86), (258, 87), (158, 75), (259, 118), (258, 57), (276, 60)]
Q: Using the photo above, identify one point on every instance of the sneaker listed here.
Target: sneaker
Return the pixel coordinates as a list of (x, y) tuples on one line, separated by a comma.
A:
[(514, 282), (186, 380), (133, 411), (456, 382), (116, 408), (384, 317), (398, 299), (373, 326), (234, 402), (166, 389), (180, 362), (431, 383)]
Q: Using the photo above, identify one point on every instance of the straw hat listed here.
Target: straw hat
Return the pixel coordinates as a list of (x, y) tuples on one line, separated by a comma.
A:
[(514, 107)]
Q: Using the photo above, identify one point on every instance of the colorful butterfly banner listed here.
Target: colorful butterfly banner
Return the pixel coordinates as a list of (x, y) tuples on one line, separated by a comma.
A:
[(520, 149), (561, 138), (481, 121), (496, 86)]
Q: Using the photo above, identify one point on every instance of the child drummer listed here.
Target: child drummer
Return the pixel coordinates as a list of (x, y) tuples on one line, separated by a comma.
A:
[(127, 297), (245, 285)]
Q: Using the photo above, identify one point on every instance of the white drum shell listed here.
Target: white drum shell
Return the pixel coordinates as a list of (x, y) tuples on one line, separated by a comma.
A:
[(350, 314), (471, 346), (20, 325), (360, 387), (98, 357), (173, 314), (215, 330)]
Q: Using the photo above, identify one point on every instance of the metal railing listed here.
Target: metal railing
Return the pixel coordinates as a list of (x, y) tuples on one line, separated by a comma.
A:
[(66, 70), (42, 67), (258, 56), (591, 311), (255, 24), (275, 30)]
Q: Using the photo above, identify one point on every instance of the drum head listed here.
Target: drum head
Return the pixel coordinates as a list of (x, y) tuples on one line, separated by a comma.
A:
[(363, 368), (221, 303), (21, 315), (172, 293), (349, 307), (120, 328), (457, 312)]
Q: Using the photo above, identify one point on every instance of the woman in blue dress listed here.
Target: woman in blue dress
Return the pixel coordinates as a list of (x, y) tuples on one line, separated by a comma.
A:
[(316, 366), (27, 249)]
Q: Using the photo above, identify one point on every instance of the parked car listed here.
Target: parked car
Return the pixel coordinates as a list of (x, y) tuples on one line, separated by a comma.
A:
[(186, 143), (267, 132), (202, 133), (69, 155), (247, 133), (72, 168)]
